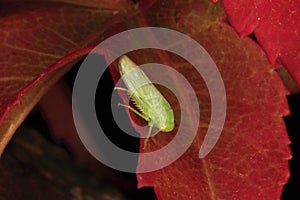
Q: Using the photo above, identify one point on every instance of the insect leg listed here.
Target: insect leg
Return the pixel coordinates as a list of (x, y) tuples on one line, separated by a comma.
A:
[(122, 89), (148, 136), (135, 111)]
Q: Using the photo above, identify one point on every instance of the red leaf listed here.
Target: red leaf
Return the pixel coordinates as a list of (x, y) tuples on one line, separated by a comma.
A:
[(250, 159), (276, 25), (33, 39)]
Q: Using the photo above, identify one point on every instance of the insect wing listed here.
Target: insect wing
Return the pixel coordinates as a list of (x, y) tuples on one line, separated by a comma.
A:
[(132, 76)]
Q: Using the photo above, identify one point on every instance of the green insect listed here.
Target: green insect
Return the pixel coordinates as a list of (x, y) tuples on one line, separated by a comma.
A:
[(150, 103)]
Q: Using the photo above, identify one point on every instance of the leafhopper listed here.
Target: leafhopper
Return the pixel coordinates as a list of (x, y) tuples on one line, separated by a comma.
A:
[(151, 104)]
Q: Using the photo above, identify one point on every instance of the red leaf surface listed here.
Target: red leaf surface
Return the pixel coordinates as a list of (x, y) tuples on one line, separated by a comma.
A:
[(34, 36), (276, 25), (250, 159)]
